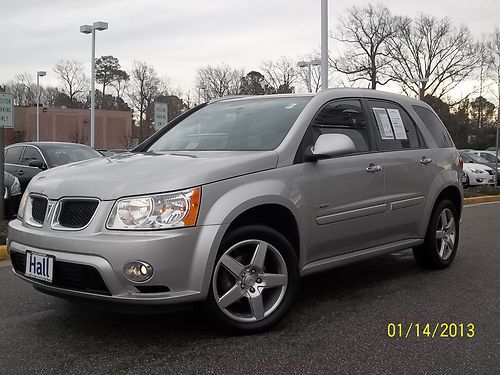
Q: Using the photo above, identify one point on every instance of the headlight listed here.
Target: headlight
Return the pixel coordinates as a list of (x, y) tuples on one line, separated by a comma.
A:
[(22, 205), (158, 211), (477, 171), (15, 189)]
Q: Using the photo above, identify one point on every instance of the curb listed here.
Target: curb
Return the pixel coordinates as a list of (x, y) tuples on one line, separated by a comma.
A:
[(483, 199), (4, 254)]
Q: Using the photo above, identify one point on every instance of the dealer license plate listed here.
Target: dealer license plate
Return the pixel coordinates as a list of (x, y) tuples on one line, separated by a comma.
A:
[(39, 266)]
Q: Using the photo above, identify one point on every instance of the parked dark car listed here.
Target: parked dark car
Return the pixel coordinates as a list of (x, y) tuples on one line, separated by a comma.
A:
[(12, 194), (27, 159)]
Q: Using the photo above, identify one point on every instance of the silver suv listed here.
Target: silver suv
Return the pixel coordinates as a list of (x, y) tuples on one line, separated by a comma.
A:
[(232, 202)]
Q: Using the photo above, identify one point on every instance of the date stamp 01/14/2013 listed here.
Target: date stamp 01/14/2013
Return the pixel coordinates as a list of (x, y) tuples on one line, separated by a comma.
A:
[(431, 330)]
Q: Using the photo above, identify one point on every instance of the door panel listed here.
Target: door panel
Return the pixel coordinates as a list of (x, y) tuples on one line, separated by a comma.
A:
[(407, 183), (348, 205)]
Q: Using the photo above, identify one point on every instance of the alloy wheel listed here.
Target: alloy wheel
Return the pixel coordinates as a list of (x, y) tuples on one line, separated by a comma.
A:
[(445, 234), (250, 280)]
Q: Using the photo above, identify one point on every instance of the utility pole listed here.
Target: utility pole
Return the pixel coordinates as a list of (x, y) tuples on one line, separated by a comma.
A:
[(324, 44)]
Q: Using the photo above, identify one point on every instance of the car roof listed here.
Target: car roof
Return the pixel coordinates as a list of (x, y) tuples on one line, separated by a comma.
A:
[(332, 94)]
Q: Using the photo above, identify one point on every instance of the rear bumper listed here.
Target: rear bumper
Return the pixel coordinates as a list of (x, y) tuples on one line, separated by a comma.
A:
[(182, 261)]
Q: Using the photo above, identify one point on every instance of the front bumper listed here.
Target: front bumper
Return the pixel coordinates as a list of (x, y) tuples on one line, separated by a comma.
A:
[(182, 261), (476, 179)]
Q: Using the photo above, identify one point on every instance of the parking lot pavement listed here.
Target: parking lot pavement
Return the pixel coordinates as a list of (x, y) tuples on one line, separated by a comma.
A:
[(338, 325)]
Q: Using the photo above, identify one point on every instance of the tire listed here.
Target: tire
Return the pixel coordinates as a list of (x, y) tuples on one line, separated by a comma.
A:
[(249, 293), (436, 252)]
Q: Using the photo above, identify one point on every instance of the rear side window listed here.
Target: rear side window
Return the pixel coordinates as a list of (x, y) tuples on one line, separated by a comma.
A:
[(343, 117), (394, 127), (435, 126), (13, 155)]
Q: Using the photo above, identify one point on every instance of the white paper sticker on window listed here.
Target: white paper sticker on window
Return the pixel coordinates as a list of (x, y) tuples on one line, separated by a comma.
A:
[(384, 125), (397, 124)]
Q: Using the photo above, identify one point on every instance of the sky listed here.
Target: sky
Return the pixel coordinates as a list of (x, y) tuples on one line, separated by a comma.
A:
[(177, 37)]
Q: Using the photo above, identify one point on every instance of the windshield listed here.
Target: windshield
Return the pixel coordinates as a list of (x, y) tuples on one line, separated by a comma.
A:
[(64, 154), (235, 125)]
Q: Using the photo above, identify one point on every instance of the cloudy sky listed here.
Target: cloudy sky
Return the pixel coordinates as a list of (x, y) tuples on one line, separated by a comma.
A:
[(178, 36)]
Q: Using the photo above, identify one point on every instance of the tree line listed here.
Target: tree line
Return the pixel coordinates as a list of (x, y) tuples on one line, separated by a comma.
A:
[(424, 56)]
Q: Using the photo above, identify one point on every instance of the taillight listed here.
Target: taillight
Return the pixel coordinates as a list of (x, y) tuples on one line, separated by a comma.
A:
[(461, 162)]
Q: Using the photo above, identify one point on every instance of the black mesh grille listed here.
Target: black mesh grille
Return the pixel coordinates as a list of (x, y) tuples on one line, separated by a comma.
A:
[(77, 213), (67, 275), (38, 209)]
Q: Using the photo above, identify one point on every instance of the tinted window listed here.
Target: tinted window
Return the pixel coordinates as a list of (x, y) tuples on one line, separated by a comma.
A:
[(343, 117), (235, 125), (30, 153), (13, 154), (394, 127), (490, 157), (435, 126), (59, 154)]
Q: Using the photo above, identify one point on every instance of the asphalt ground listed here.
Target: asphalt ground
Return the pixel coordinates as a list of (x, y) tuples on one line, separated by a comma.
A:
[(338, 324)]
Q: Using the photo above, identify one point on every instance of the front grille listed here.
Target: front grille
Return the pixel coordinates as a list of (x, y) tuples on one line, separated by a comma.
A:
[(76, 214), (67, 275), (38, 209)]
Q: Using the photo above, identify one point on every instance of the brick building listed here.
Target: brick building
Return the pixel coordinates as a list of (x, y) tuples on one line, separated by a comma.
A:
[(113, 129)]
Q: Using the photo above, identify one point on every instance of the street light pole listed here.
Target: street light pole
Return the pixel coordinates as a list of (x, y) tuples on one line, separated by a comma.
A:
[(308, 64), (324, 44), (39, 74), (88, 29)]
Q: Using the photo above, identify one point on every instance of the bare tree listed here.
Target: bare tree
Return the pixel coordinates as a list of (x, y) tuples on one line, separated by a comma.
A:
[(73, 80), (365, 33), (23, 89), (434, 53), (145, 87), (217, 81), (494, 48), (281, 75)]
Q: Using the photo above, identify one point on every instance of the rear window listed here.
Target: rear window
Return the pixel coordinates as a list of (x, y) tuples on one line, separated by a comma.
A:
[(435, 126)]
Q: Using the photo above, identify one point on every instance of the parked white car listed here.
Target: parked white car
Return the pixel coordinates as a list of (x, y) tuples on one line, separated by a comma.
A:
[(477, 174)]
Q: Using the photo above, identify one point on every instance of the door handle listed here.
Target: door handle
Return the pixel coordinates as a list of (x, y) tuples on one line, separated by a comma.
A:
[(372, 168), (425, 160)]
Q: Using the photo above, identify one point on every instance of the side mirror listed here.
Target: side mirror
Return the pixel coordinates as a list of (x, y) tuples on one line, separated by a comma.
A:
[(328, 145), (37, 164)]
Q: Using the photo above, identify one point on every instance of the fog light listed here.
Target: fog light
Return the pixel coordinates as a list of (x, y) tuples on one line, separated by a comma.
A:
[(138, 271)]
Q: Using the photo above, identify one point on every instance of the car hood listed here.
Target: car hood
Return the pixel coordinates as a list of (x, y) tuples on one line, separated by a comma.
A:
[(144, 173), (481, 167)]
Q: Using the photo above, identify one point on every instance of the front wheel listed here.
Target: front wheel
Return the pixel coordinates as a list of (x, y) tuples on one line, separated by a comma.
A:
[(254, 280), (441, 240)]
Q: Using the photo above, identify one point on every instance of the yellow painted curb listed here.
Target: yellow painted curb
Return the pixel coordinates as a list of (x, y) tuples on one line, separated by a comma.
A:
[(483, 199), (4, 254)]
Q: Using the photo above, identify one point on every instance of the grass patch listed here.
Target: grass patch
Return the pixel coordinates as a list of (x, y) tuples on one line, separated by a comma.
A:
[(3, 231), (479, 191)]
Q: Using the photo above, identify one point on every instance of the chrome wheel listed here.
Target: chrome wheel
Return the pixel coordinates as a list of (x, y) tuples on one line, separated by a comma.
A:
[(250, 281), (445, 234)]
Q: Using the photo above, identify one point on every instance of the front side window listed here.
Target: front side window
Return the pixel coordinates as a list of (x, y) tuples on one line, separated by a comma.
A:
[(30, 154), (343, 117), (395, 129), (234, 125)]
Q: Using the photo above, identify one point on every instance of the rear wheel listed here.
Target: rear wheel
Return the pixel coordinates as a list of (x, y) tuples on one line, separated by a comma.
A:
[(441, 240), (254, 280)]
